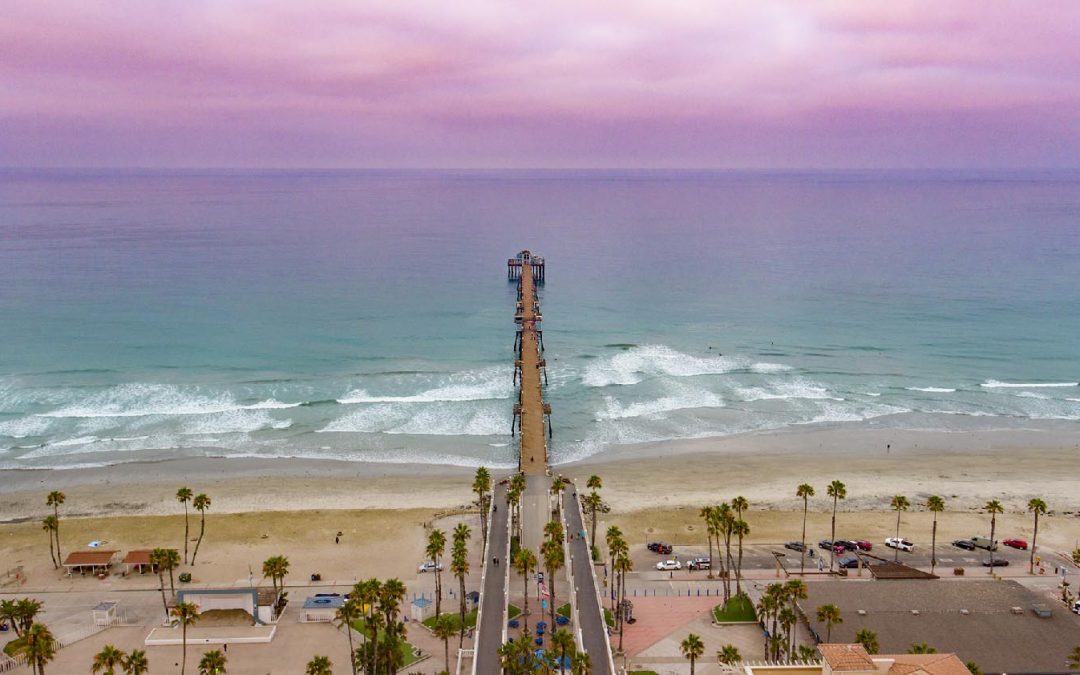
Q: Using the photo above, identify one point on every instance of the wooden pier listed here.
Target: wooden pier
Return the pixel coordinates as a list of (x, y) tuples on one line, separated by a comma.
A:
[(522, 261), (532, 417)]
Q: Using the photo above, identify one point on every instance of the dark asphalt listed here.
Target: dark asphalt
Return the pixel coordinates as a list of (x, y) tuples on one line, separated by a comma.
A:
[(593, 629), (493, 594)]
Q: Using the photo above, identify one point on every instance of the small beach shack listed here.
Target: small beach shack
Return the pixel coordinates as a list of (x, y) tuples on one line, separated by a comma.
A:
[(421, 609), (138, 561), (256, 601), (105, 613), (95, 562), (321, 608)]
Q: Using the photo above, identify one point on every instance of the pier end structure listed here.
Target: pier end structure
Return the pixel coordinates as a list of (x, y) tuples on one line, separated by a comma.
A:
[(532, 416)]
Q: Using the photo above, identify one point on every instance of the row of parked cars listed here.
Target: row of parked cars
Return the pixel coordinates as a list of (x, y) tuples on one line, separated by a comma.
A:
[(985, 543)]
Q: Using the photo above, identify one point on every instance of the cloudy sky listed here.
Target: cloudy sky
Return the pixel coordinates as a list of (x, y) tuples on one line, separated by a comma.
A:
[(555, 83)]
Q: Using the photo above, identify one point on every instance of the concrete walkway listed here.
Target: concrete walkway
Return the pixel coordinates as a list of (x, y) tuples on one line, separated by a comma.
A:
[(593, 628), (493, 594)]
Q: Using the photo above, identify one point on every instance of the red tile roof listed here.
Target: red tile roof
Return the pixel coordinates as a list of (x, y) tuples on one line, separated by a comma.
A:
[(846, 657), (89, 558)]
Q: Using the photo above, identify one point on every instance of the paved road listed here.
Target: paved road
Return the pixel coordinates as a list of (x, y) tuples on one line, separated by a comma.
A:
[(493, 594), (593, 629)]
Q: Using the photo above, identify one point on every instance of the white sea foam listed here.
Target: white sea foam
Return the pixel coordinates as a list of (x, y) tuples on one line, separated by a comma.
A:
[(615, 410), (22, 427), (795, 389), (142, 400), (932, 390), (81, 440), (487, 384), (438, 419), (635, 364), (873, 393), (994, 384), (232, 422), (769, 368)]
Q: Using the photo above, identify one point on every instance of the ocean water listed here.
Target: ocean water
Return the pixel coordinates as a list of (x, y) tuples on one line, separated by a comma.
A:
[(366, 315)]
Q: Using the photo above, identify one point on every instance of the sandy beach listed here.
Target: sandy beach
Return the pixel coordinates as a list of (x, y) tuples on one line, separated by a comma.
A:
[(659, 486)]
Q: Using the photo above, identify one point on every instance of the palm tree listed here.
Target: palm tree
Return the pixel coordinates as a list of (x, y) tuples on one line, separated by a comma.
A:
[(806, 491), (1074, 658), (201, 504), (900, 503), (49, 525), (623, 565), (1037, 508), (558, 485), (158, 559), (837, 491), (580, 663), (39, 647), (935, 505), (993, 507), (524, 564), (706, 514), (443, 628), (345, 616), (830, 616), (459, 565), (436, 547), (107, 660), (554, 559), (921, 648), (20, 614), (187, 614), (136, 663), (595, 504), (276, 567), (973, 668), (212, 663), (55, 499), (728, 655), (795, 589), (170, 561), (482, 486), (562, 642), (868, 639), (319, 665), (617, 546), (183, 495), (739, 528), (692, 648)]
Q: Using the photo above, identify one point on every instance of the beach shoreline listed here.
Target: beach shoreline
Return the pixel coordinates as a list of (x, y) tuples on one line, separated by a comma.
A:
[(765, 467)]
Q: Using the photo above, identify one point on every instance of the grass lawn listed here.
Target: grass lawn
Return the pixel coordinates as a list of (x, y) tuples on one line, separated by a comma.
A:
[(738, 608), (643, 672), (13, 647), (512, 611), (408, 650), (470, 620)]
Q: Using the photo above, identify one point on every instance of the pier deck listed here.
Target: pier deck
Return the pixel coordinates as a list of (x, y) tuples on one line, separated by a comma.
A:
[(533, 457)]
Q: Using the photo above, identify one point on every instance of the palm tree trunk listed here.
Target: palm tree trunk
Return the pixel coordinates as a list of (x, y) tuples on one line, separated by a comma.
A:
[(438, 588), (183, 647), (56, 531), (993, 526), (592, 538), (187, 532), (461, 591), (446, 648), (802, 562), (161, 585), (738, 570), (896, 551), (525, 613), (202, 530), (352, 651), (172, 581), (52, 555), (709, 535), (933, 546), (551, 600), (1034, 537), (691, 665), (832, 553)]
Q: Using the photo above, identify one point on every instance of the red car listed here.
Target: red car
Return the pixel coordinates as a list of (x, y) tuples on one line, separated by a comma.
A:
[(863, 544), (1016, 543)]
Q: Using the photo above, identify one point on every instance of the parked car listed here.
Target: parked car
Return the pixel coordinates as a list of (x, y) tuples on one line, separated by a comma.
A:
[(665, 565), (984, 542), (825, 544), (964, 544), (848, 562), (900, 543), (847, 545), (863, 544), (699, 564), (428, 567), (653, 545), (1016, 543), (996, 562), (795, 546), (664, 549)]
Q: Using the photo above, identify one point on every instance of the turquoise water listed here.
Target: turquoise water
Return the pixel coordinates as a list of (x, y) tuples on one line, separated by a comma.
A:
[(366, 315)]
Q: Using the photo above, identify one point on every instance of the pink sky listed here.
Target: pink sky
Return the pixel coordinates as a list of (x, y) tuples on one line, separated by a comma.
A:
[(556, 83)]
